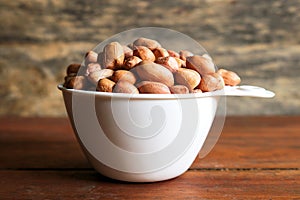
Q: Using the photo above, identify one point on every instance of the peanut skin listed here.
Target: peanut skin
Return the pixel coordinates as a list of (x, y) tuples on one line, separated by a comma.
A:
[(151, 87), (188, 77), (123, 75), (200, 64), (105, 85), (90, 57), (150, 71), (230, 77), (131, 62), (173, 53), (179, 89), (92, 67), (169, 62), (73, 68), (128, 52), (125, 87), (95, 76), (149, 43), (76, 82), (144, 53), (211, 82), (184, 54), (160, 52), (112, 56)]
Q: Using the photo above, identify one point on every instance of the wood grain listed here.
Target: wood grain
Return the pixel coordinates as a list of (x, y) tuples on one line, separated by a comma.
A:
[(255, 158), (194, 184), (246, 142), (39, 143), (256, 142)]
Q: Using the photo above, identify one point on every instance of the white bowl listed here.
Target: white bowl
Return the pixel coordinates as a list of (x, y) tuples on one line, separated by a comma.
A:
[(142, 137)]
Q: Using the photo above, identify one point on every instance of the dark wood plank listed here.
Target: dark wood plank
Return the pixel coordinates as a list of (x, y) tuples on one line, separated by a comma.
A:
[(267, 184), (39, 143), (256, 142), (246, 142)]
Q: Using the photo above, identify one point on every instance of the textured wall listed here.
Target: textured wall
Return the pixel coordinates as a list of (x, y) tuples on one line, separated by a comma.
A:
[(258, 39)]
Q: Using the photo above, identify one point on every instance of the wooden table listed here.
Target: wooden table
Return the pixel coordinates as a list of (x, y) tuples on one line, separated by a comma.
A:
[(255, 158)]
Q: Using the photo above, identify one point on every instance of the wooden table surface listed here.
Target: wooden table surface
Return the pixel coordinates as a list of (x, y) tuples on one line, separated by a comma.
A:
[(255, 158)]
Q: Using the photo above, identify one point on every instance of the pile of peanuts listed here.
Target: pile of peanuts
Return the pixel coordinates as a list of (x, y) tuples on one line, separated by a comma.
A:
[(146, 67)]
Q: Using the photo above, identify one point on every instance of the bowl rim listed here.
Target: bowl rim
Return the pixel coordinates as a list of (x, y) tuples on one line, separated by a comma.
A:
[(142, 96)]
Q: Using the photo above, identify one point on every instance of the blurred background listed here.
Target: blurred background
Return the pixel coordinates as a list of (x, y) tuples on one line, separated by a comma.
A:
[(260, 40)]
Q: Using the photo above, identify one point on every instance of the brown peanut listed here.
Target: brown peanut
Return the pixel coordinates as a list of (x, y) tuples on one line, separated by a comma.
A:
[(112, 56), (123, 75), (169, 62), (188, 77), (95, 76), (181, 63), (152, 87), (92, 67), (144, 53), (200, 64), (211, 82), (125, 87), (179, 89), (149, 43), (229, 77), (76, 82), (150, 71), (197, 91), (128, 52), (90, 57), (105, 85), (160, 52), (173, 54), (131, 62), (183, 54), (73, 68)]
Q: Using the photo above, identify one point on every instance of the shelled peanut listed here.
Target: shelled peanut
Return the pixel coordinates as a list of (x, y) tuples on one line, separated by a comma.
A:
[(146, 67)]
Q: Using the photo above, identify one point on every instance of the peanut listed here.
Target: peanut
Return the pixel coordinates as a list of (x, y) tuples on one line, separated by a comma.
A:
[(173, 54), (200, 64), (95, 76), (131, 62), (144, 53), (67, 83), (76, 82), (179, 89), (181, 63), (92, 67), (125, 87), (90, 57), (112, 56), (123, 75), (150, 71), (152, 87), (169, 62), (149, 43), (184, 54), (160, 52), (211, 82), (73, 68), (128, 52), (188, 77), (197, 91), (230, 77), (105, 85)]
